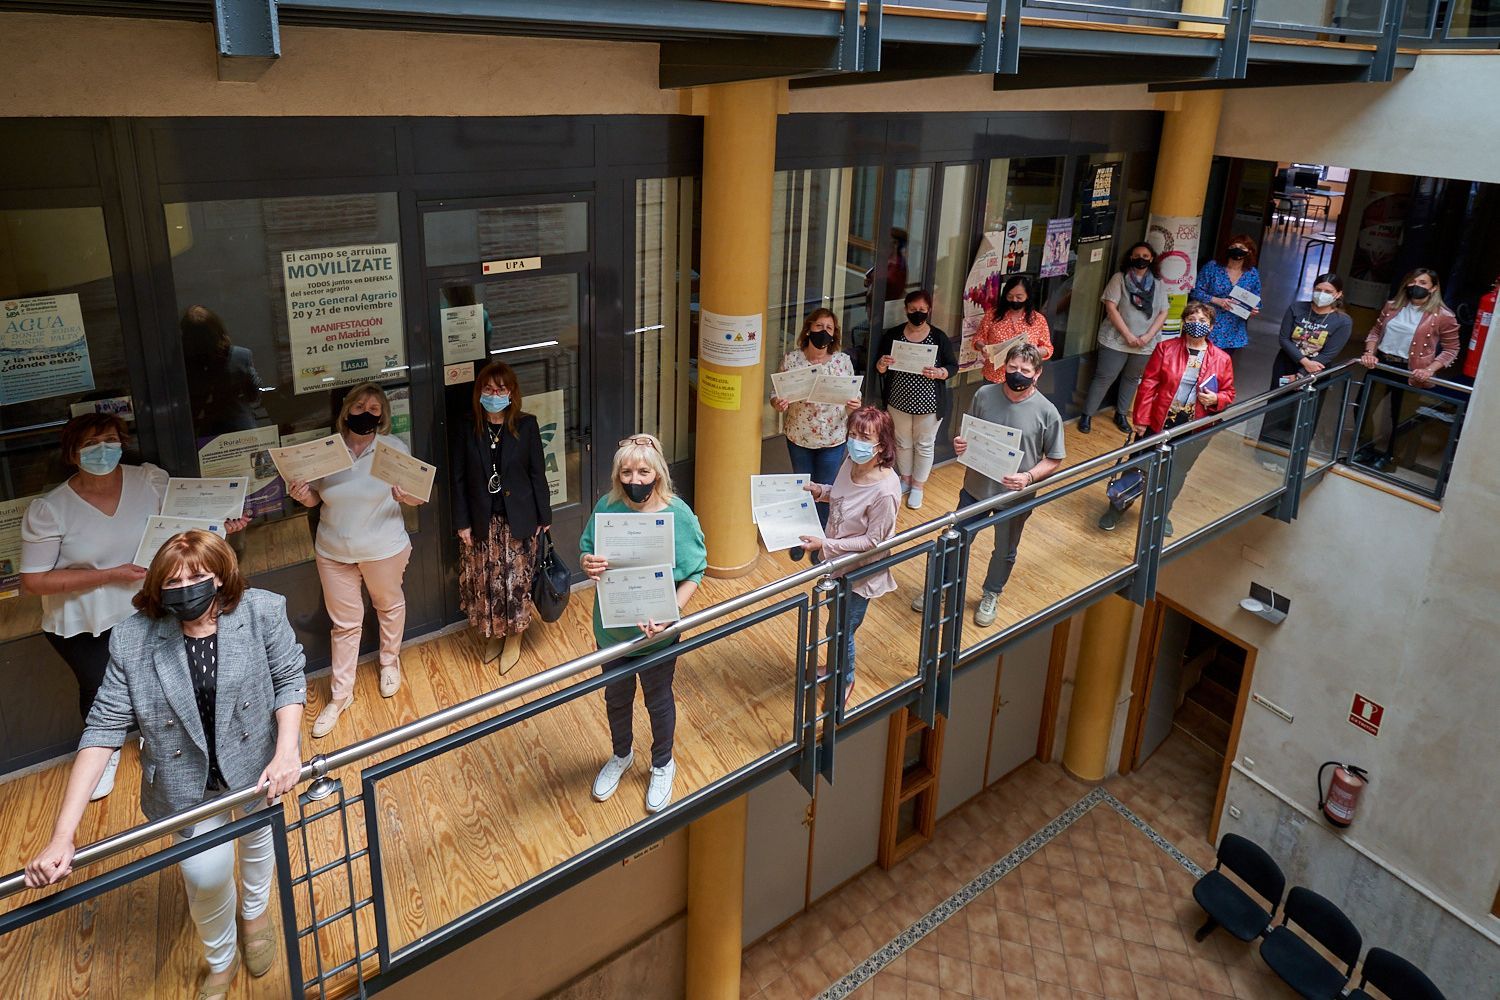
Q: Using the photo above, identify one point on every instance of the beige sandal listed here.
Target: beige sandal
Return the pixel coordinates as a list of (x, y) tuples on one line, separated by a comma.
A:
[(206, 992), (260, 950)]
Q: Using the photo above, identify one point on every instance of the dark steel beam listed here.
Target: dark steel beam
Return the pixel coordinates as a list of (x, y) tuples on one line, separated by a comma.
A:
[(1234, 55), (1383, 65), (1272, 75), (1039, 72), (699, 63), (248, 38)]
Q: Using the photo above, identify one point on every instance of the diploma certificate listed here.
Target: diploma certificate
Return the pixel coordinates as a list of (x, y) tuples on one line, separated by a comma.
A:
[(991, 458), (205, 499), (312, 460), (838, 389), (794, 386), (775, 489), (997, 353), (972, 427), (630, 597), (909, 357), (413, 475), (632, 541), (782, 525), (159, 530)]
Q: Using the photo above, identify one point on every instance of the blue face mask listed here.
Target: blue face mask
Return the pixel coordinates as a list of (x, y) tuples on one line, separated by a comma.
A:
[(1196, 328), (100, 459), (494, 404), (860, 451)]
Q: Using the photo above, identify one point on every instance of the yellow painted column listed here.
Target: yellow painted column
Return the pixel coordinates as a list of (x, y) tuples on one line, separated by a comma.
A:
[(1186, 153), (716, 902), (739, 164), (1096, 687)]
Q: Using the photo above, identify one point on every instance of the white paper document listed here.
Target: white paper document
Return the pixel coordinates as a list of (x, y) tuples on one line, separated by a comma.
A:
[(205, 499), (837, 389), (1249, 298), (159, 530), (413, 475), (775, 489), (972, 427), (633, 541), (633, 596), (997, 353), (913, 358), (795, 385), (991, 457), (783, 525), (312, 460)]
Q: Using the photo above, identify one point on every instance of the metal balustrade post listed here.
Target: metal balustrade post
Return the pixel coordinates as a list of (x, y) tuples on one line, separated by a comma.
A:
[(1150, 538), (930, 651), (952, 606), (829, 587), (1383, 62), (1234, 53), (1304, 426), (870, 37)]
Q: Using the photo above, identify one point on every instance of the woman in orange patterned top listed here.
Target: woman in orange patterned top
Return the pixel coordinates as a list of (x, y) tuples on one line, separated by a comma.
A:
[(1012, 315)]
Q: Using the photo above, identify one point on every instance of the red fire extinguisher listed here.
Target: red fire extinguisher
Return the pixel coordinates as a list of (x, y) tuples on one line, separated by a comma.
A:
[(1342, 799), (1481, 330)]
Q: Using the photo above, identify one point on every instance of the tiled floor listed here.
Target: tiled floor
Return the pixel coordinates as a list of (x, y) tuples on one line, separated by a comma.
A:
[(1101, 910)]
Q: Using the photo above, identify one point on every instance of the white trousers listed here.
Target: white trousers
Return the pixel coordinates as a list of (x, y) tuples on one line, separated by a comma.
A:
[(915, 436), (209, 876)]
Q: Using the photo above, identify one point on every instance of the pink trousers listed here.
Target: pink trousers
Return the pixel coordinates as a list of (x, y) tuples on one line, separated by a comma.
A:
[(346, 608)]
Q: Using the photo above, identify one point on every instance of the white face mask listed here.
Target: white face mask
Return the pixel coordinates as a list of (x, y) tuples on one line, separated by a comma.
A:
[(1324, 299)]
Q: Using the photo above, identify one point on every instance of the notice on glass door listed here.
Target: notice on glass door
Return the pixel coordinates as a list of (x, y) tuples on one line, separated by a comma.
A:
[(343, 312), (463, 333), (43, 349), (12, 513), (551, 417)]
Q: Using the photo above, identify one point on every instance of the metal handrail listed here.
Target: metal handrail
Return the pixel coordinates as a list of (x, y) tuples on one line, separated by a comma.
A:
[(1381, 366), (320, 765)]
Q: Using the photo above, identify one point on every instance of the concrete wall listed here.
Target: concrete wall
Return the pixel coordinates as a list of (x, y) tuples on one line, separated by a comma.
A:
[(1422, 123), (1396, 602), (70, 65)]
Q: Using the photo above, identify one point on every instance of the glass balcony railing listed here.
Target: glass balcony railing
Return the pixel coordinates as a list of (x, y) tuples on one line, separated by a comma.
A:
[(389, 852)]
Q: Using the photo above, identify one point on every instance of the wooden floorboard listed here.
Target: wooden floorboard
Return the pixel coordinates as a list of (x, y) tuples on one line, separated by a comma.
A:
[(460, 830)]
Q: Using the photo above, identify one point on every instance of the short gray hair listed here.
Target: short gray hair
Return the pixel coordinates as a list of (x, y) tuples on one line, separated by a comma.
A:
[(1026, 352)]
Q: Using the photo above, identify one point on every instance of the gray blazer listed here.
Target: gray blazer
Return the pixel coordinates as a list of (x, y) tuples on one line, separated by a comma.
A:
[(147, 683)]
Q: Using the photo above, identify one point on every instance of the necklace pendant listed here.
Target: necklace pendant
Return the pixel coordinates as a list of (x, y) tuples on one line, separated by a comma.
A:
[(494, 483)]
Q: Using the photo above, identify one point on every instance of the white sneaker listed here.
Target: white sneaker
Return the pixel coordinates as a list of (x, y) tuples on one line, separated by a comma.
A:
[(914, 498), (659, 791), (985, 614), (107, 779), (610, 774)]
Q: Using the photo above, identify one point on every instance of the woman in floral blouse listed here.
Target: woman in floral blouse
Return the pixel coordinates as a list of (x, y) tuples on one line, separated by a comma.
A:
[(815, 432), (1014, 313)]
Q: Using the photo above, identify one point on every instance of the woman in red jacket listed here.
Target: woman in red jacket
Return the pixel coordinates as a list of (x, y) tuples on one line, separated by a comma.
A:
[(1186, 378), (1414, 331)]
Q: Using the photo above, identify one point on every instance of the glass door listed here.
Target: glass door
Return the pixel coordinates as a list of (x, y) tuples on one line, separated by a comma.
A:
[(510, 282)]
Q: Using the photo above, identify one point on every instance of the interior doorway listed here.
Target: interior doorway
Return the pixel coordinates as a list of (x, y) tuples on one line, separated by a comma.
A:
[(1191, 679)]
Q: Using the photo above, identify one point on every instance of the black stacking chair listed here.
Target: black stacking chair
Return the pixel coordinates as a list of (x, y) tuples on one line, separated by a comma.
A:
[(1297, 962), (1394, 977), (1227, 905)]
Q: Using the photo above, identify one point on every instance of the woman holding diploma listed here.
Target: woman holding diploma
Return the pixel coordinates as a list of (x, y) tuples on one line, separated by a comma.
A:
[(1012, 315), (815, 431), (916, 401), (211, 672), (863, 499), (77, 543), (501, 503), (641, 484), (361, 537), (1217, 282)]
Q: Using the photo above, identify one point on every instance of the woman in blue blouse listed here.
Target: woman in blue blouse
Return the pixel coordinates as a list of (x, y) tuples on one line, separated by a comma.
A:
[(1215, 281)]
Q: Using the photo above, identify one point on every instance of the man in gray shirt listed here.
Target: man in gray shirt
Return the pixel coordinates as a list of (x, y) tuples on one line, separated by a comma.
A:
[(1015, 403)]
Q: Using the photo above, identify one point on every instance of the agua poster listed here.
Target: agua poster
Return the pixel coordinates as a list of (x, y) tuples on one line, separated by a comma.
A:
[(43, 349), (343, 314)]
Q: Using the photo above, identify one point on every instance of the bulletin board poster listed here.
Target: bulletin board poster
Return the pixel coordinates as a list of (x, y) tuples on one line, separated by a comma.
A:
[(1175, 239), (343, 312), (981, 289), (550, 411), (12, 513), (245, 453), (400, 400), (43, 349), (1058, 248), (1017, 245)]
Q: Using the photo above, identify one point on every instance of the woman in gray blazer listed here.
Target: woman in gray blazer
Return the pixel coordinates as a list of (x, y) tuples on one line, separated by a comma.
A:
[(212, 674)]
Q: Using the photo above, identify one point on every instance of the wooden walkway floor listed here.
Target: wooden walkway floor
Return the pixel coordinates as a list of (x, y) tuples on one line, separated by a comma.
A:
[(460, 830)]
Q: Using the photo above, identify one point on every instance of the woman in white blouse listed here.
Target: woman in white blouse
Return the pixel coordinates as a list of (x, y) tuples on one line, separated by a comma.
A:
[(77, 543), (361, 538)]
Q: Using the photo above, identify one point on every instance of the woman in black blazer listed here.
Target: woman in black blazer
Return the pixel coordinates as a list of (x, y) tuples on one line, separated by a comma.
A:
[(501, 503)]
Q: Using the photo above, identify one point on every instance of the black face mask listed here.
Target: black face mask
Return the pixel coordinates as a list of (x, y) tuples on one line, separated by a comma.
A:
[(362, 423), (1238, 253), (639, 492), (1018, 382), (916, 318), (1012, 305), (1417, 293), (822, 341), (1139, 263), (188, 604)]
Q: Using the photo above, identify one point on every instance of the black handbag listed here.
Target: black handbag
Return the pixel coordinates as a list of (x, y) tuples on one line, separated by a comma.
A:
[(1125, 488), (549, 580)]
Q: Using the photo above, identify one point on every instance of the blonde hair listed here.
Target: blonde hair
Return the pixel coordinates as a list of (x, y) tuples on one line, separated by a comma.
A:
[(364, 391), (1434, 303), (633, 451)]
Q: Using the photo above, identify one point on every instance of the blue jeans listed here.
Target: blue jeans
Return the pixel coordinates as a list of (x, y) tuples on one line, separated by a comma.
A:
[(822, 464), (858, 606)]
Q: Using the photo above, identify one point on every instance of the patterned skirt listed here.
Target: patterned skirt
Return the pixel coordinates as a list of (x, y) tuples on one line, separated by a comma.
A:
[(494, 581)]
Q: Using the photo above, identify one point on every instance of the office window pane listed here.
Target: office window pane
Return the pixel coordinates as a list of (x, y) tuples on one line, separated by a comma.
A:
[(666, 299), (464, 236)]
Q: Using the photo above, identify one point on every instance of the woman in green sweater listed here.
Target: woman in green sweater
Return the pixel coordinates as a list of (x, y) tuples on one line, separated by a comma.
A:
[(641, 484)]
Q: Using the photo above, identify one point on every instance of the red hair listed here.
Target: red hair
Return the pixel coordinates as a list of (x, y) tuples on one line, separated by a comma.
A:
[(873, 422)]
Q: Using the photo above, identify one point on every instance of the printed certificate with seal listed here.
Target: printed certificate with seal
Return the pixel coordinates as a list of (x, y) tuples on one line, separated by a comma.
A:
[(312, 460), (412, 475), (913, 358), (783, 525), (632, 541), (205, 499), (629, 597), (775, 489), (160, 529)]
